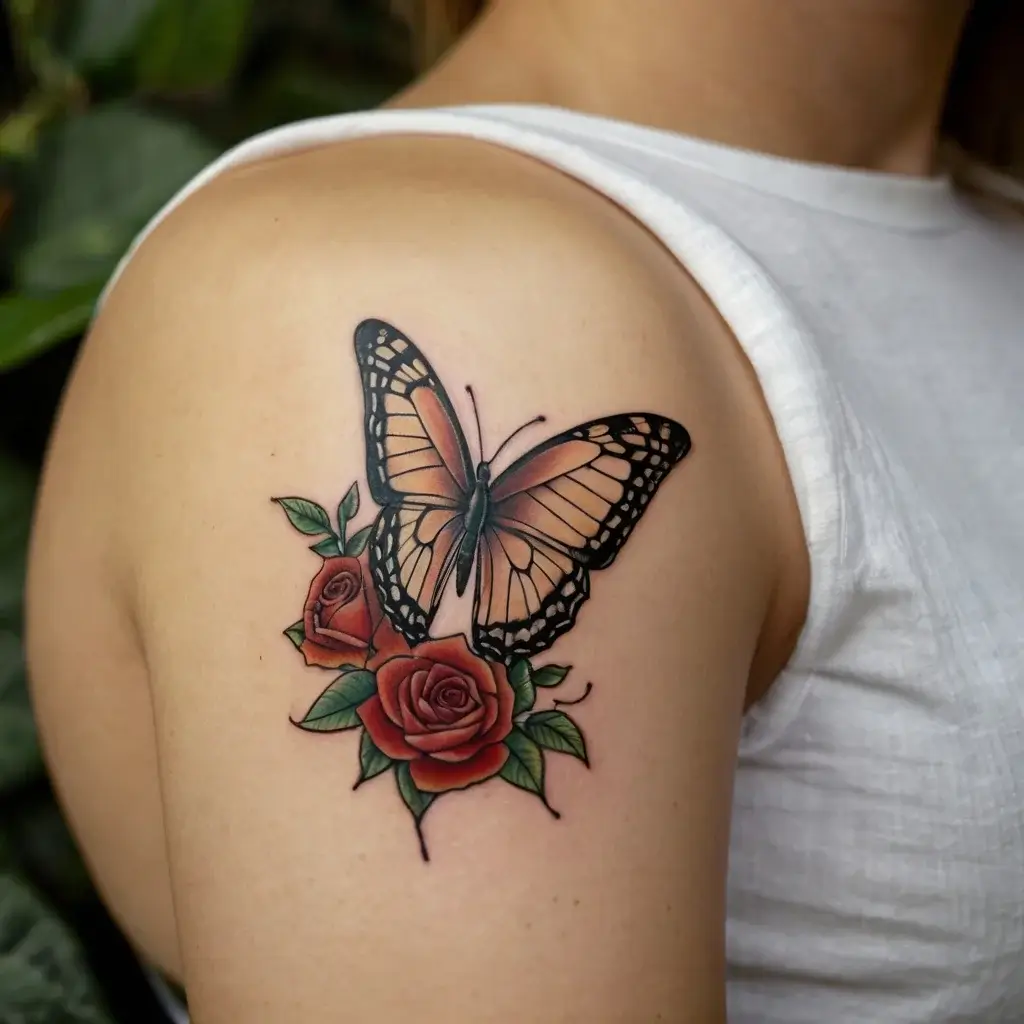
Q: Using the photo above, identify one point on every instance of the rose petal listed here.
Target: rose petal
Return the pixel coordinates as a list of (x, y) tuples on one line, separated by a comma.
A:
[(418, 681), (332, 657), (353, 617), (454, 651), (444, 675), (383, 731), (433, 776), (389, 678), (432, 742), (428, 715), (474, 718), (410, 723), (503, 717)]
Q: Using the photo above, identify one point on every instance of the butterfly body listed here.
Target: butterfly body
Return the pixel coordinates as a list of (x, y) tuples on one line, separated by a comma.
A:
[(534, 532), (476, 518)]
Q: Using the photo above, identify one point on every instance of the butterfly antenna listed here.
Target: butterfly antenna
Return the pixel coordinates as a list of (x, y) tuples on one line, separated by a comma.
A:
[(518, 430), (476, 415)]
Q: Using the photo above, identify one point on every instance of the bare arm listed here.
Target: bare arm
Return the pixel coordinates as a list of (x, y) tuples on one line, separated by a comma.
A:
[(227, 354)]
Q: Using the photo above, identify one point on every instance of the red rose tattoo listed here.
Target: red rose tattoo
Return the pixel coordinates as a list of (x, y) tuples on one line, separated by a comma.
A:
[(443, 709), (342, 618)]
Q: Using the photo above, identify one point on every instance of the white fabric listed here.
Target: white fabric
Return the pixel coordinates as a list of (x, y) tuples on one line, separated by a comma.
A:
[(877, 861)]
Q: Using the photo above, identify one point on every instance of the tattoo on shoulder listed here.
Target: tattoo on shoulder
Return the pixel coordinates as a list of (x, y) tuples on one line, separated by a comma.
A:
[(440, 714)]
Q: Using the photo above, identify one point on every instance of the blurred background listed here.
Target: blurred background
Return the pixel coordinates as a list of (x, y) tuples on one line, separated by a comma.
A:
[(106, 108)]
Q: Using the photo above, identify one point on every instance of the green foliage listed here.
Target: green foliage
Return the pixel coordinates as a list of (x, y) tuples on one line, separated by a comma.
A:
[(520, 677), (43, 973), (335, 708), (306, 516), (112, 105), (372, 760), (555, 730)]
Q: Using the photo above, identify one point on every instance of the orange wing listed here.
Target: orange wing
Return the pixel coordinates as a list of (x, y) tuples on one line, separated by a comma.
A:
[(560, 511), (416, 450), (418, 469)]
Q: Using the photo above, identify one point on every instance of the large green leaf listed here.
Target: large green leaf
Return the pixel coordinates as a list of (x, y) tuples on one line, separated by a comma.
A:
[(414, 798), (525, 765), (101, 176), (192, 45), (43, 972), (105, 30), (306, 516), (555, 730), (550, 675), (372, 760), (335, 708), (30, 324)]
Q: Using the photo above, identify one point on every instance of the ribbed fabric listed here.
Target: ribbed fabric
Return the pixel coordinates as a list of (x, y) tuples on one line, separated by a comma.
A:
[(877, 860)]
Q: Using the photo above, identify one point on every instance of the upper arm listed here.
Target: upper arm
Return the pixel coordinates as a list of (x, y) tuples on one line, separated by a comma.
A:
[(230, 352)]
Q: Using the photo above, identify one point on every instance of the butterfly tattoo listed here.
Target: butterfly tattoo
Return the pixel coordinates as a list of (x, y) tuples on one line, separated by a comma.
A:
[(535, 532)]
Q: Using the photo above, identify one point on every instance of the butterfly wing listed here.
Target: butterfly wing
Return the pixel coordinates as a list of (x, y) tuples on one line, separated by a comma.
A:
[(415, 447), (418, 469), (565, 508), (412, 555)]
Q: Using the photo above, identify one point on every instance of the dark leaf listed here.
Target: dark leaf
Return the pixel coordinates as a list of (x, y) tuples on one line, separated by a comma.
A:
[(106, 29), (550, 675), (372, 760), (555, 730), (357, 542), (101, 176), (525, 765), (306, 516), (296, 632), (30, 324), (43, 971), (335, 708), (329, 547), (192, 45), (415, 799), (520, 678)]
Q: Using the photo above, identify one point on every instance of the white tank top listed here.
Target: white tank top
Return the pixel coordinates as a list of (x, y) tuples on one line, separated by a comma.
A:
[(877, 858)]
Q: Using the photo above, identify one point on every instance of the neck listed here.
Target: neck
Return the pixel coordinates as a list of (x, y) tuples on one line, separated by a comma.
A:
[(857, 83)]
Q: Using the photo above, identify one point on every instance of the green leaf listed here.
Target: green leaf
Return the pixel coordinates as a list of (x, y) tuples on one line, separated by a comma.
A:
[(100, 177), (335, 708), (357, 542), (192, 45), (555, 730), (44, 973), (525, 765), (550, 675), (296, 632), (329, 547), (106, 30), (30, 324), (520, 678), (306, 516), (415, 799), (348, 507), (372, 760)]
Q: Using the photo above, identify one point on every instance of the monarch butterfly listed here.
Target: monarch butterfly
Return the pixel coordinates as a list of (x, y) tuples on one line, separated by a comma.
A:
[(535, 532)]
